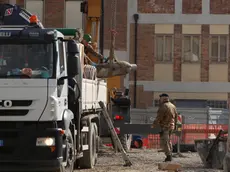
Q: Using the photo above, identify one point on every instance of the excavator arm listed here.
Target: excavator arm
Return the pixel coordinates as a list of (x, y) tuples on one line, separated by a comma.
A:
[(114, 67)]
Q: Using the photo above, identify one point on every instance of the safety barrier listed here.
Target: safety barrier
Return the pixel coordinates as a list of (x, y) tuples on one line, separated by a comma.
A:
[(190, 132)]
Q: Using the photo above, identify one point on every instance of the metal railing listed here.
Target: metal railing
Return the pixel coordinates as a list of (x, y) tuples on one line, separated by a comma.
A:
[(191, 115), (198, 123)]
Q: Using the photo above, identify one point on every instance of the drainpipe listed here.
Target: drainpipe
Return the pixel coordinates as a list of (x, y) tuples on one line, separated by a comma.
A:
[(136, 17), (102, 28)]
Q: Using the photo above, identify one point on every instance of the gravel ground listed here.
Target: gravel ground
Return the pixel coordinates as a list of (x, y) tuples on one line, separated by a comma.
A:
[(144, 161)]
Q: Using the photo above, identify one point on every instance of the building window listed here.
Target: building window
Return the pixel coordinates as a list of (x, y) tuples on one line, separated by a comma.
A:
[(164, 48), (191, 48), (218, 48)]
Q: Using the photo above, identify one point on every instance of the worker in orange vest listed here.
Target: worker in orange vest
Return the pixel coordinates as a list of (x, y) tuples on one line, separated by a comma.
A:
[(166, 119)]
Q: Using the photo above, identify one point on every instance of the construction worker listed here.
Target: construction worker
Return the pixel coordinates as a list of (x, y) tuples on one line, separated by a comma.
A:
[(90, 51), (166, 119)]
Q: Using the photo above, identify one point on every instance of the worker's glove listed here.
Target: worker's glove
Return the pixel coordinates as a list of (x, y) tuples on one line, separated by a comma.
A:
[(93, 64)]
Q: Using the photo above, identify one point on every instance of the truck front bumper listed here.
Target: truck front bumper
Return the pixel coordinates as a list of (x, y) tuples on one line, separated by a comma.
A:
[(29, 166), (19, 152)]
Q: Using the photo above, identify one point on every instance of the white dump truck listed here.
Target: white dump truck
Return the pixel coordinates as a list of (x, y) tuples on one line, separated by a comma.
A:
[(49, 111)]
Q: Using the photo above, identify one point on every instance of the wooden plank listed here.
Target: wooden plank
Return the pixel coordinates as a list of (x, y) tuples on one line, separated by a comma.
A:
[(169, 166)]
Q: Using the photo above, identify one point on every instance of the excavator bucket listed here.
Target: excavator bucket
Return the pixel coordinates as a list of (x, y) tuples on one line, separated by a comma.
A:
[(120, 68), (114, 67)]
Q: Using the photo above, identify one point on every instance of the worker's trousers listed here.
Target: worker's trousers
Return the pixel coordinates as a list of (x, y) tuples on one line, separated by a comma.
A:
[(165, 141)]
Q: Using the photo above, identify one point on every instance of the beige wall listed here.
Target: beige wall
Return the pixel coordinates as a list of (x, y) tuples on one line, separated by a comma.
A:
[(164, 28), (163, 72), (218, 72), (219, 29), (191, 29), (190, 72)]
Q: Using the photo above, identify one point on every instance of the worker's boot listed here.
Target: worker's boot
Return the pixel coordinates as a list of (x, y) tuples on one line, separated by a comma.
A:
[(168, 158)]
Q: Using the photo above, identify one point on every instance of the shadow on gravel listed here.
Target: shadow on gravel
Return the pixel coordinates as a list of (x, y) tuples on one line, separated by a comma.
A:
[(110, 165)]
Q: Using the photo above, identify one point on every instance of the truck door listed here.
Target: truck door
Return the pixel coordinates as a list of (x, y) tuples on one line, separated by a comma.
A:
[(61, 71)]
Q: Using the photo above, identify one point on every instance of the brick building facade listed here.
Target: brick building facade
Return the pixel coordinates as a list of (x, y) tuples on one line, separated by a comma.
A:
[(183, 45), (183, 49)]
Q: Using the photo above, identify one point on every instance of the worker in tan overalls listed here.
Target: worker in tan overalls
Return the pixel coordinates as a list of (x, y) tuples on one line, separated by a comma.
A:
[(166, 119), (90, 50)]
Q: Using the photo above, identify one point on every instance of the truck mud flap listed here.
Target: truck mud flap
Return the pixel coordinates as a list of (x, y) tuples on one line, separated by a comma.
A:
[(85, 131)]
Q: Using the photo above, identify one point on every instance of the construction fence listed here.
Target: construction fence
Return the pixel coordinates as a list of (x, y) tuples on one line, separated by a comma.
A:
[(200, 123)]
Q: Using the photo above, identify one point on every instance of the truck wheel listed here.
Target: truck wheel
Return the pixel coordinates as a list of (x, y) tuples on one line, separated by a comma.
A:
[(126, 140), (70, 154), (89, 156)]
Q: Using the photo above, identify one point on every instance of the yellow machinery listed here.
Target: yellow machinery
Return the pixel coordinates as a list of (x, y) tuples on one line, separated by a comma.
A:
[(93, 9)]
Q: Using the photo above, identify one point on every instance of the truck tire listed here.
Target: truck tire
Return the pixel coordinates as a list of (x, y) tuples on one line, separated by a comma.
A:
[(126, 140), (70, 153), (89, 156)]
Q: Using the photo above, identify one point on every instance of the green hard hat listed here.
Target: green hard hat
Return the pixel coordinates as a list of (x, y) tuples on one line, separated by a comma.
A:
[(88, 38)]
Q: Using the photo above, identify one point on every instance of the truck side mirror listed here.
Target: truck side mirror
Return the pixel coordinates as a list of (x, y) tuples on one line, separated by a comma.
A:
[(72, 47), (72, 65), (126, 92), (72, 61)]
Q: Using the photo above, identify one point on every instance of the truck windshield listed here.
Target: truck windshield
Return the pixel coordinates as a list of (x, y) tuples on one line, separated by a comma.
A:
[(27, 60)]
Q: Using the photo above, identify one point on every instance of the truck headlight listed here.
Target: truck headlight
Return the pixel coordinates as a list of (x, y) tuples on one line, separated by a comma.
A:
[(45, 141)]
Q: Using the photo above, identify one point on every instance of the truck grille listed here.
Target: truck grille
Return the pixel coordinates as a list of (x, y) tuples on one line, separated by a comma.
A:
[(21, 102), (16, 112)]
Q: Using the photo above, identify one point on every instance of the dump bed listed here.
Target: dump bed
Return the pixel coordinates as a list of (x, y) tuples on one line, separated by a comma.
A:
[(93, 89)]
